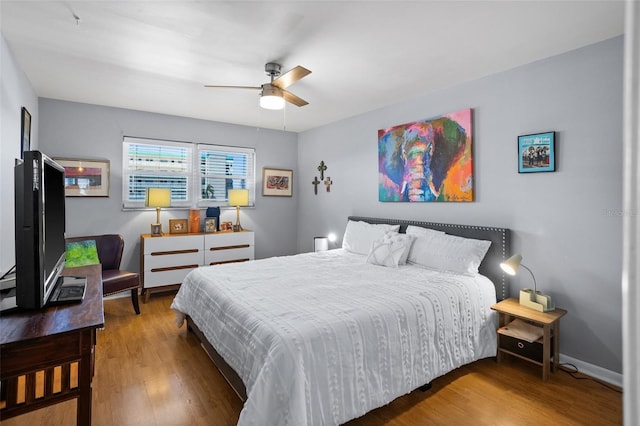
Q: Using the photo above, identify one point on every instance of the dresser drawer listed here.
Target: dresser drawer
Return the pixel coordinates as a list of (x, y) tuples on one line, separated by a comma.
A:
[(224, 239), (213, 257), (169, 244), (160, 260), (158, 278)]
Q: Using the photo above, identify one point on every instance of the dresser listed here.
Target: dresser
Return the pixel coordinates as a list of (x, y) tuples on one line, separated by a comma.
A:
[(166, 260)]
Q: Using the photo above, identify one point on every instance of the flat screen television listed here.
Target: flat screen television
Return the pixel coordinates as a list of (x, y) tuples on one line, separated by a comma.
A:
[(39, 228)]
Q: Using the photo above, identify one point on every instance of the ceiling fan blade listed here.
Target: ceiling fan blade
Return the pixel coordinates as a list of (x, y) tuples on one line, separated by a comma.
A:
[(290, 97), (234, 87), (290, 77)]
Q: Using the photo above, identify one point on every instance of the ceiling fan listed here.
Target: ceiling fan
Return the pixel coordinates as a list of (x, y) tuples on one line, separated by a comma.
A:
[(273, 95)]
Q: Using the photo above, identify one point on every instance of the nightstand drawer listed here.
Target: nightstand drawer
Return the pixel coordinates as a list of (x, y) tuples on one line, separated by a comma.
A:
[(529, 350)]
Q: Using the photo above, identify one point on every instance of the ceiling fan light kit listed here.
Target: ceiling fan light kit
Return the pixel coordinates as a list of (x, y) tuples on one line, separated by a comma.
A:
[(273, 95)]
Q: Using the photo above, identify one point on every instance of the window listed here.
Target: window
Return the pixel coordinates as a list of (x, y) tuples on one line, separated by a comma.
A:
[(198, 174)]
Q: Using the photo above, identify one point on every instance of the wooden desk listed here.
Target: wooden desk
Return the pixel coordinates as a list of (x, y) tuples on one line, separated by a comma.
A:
[(40, 351)]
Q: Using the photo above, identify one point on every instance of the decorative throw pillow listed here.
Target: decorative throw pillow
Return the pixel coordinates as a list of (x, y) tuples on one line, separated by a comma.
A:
[(450, 253), (391, 250), (359, 235), (81, 253)]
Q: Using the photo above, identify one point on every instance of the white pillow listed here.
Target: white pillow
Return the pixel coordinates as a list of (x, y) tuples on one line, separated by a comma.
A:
[(419, 230), (450, 253), (391, 250), (421, 246), (359, 236)]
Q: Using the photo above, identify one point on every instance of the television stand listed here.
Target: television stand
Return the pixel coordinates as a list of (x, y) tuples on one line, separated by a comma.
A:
[(51, 343), (8, 295)]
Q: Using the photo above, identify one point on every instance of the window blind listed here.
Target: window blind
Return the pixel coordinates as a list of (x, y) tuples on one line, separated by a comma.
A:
[(199, 175)]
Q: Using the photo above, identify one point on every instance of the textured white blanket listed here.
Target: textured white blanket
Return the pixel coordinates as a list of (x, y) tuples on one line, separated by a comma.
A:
[(322, 338)]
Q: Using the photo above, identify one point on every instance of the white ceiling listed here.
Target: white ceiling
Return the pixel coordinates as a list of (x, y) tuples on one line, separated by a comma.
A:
[(157, 55)]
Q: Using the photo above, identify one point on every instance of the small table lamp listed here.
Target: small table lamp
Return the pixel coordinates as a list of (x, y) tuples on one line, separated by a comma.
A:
[(320, 244), (157, 197), (237, 198), (530, 298)]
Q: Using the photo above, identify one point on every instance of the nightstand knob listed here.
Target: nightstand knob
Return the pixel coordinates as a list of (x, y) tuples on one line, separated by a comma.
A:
[(520, 345)]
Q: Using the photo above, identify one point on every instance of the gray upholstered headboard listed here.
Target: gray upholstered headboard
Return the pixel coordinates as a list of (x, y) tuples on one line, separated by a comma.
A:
[(490, 267)]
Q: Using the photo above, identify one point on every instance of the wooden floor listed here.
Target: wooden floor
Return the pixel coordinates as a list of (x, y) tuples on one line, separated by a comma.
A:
[(149, 372)]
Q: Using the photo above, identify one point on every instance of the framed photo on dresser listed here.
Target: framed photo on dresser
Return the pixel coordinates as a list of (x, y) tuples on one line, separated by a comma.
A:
[(210, 225), (178, 226)]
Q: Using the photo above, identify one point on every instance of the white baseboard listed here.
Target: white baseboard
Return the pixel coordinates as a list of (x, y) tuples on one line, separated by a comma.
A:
[(593, 370)]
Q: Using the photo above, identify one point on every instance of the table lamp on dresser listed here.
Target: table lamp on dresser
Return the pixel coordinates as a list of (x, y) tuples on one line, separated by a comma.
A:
[(158, 198), (237, 198)]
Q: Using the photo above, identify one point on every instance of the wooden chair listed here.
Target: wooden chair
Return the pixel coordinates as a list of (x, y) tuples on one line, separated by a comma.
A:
[(114, 280)]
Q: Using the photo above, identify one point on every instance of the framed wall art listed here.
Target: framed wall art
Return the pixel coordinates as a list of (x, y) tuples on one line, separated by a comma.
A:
[(85, 178), (178, 226), (25, 142), (537, 152), (277, 182), (428, 160)]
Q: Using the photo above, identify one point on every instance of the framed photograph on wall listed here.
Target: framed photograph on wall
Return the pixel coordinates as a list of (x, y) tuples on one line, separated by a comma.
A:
[(537, 153), (25, 142), (85, 178), (178, 226), (277, 182)]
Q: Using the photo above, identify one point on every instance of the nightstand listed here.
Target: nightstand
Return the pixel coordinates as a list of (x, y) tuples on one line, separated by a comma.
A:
[(541, 352)]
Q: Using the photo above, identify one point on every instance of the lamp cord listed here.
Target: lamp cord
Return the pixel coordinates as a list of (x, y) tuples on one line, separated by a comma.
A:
[(535, 285), (573, 371)]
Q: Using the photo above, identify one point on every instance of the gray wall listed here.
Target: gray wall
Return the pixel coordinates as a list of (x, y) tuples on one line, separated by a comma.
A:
[(16, 92), (75, 130), (566, 224)]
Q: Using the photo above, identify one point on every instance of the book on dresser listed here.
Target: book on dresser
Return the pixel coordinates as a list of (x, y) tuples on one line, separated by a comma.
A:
[(166, 260)]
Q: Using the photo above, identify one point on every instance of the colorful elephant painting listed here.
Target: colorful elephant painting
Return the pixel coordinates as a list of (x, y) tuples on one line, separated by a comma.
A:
[(428, 160)]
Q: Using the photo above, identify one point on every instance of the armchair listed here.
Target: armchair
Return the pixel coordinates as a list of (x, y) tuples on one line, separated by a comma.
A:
[(114, 280)]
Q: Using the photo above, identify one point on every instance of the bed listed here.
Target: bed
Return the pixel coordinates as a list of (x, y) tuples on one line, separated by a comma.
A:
[(322, 338)]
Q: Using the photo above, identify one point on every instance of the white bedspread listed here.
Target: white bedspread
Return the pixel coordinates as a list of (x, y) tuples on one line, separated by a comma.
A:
[(322, 338)]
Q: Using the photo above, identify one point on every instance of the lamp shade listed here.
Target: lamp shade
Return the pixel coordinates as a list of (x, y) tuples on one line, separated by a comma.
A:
[(512, 264), (272, 102), (238, 197), (320, 243), (158, 197), (271, 97)]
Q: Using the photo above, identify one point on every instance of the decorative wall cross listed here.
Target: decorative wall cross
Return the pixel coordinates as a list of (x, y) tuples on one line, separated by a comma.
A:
[(321, 168), (328, 182), (315, 184)]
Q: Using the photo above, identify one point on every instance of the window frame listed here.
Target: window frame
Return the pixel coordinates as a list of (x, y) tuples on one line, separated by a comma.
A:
[(194, 175)]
